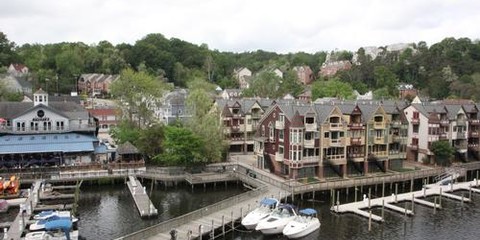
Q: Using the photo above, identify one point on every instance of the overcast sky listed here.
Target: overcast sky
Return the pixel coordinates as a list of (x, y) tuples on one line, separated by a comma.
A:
[(243, 25)]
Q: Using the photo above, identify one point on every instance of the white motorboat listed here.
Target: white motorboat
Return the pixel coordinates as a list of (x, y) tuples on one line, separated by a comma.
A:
[(40, 224), (277, 220), (60, 229), (49, 213), (305, 223), (267, 205)]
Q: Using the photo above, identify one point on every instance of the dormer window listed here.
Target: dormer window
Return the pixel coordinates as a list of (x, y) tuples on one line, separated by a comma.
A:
[(378, 118)]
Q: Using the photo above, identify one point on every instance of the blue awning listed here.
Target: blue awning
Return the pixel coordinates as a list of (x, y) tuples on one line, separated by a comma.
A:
[(41, 143), (308, 211), (269, 202)]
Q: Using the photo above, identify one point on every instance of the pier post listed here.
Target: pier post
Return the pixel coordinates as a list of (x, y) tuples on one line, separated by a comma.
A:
[(383, 188), (212, 233), (338, 199), (405, 207), (411, 185), (356, 193), (223, 225), (369, 220), (434, 205), (383, 208), (200, 228), (476, 180), (440, 200), (396, 191), (332, 195), (313, 195), (241, 214), (233, 221), (413, 202), (470, 191), (462, 201), (346, 198), (369, 197)]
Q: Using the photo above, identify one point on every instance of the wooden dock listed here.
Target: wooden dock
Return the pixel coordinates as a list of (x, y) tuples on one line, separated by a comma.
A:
[(139, 194), (18, 225), (361, 207)]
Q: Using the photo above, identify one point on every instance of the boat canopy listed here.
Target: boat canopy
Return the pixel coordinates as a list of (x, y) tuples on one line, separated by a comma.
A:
[(45, 213), (308, 211), (63, 224), (269, 201)]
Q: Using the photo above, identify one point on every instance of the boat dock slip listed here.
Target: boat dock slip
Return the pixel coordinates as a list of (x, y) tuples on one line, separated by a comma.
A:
[(18, 225), (361, 207), (139, 194)]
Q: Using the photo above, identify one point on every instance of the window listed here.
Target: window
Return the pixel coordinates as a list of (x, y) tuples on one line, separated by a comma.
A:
[(280, 149), (416, 115), (280, 134), (326, 135), (271, 135), (415, 128)]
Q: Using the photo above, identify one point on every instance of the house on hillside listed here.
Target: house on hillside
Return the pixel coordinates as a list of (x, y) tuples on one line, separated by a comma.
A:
[(243, 76), (17, 70), (16, 84), (304, 74), (95, 84), (331, 68), (231, 93)]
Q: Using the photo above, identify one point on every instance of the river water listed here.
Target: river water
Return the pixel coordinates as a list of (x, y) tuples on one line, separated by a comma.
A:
[(108, 212)]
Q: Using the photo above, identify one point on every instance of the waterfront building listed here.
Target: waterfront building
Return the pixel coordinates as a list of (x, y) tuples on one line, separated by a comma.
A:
[(454, 121), (172, 107), (46, 132), (330, 139), (240, 121), (95, 84)]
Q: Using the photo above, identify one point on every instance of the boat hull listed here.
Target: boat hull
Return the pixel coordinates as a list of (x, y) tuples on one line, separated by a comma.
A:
[(273, 227), (297, 230)]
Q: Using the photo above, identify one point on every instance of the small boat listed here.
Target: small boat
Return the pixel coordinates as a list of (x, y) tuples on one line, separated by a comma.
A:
[(59, 229), (49, 213), (40, 224), (267, 205), (277, 220), (305, 223)]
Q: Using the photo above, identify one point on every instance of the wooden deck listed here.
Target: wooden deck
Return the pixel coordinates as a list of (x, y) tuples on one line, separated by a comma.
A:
[(144, 205), (361, 207)]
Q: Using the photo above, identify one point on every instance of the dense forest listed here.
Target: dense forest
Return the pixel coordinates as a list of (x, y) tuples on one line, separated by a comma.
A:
[(450, 68)]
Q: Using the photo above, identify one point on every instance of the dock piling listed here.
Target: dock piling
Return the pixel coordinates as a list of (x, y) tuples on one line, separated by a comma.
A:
[(370, 220)]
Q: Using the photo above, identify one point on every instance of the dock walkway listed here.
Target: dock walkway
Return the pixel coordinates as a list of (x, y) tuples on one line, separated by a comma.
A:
[(144, 204), (389, 201), (18, 225)]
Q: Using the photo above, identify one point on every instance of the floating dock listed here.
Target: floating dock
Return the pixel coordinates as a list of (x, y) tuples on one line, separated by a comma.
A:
[(416, 197), (139, 194)]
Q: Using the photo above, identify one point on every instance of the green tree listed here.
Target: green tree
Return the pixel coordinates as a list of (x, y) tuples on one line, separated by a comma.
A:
[(138, 94), (181, 147), (384, 78), (125, 131), (290, 84), (332, 88), (150, 140), (443, 152), (265, 84), (7, 54)]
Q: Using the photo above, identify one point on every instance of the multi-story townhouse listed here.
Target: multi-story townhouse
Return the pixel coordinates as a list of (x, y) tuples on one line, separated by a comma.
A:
[(398, 133), (455, 122), (240, 119), (329, 139)]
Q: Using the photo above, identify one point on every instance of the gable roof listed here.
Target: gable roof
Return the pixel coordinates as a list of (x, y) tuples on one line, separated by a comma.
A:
[(127, 148)]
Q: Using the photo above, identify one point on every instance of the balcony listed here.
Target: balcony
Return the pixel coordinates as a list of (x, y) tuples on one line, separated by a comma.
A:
[(379, 140), (396, 139), (279, 125), (442, 136), (473, 146), (336, 159), (473, 134), (279, 157), (339, 142), (444, 122), (380, 154), (310, 159), (256, 115), (309, 143), (356, 126), (53, 129), (474, 122), (236, 116), (461, 122), (357, 141), (414, 147), (379, 125), (397, 155), (461, 146), (311, 127), (459, 135), (396, 123), (357, 157), (336, 126), (235, 128), (415, 121)]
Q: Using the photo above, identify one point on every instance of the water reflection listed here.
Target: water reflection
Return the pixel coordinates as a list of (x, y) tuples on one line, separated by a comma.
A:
[(109, 212)]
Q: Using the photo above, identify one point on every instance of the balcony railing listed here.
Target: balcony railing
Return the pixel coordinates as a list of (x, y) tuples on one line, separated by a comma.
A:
[(279, 157), (461, 122), (415, 120), (311, 127), (357, 141), (473, 134), (310, 159), (356, 126), (336, 159), (461, 146), (444, 122), (442, 136), (379, 125), (396, 123), (279, 125), (474, 122), (460, 135), (379, 140), (414, 147), (336, 126), (53, 129), (309, 143)]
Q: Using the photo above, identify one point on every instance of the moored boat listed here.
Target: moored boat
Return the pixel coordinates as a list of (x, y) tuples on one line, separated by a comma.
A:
[(267, 205), (59, 229), (41, 224), (50, 213), (305, 223), (277, 220)]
